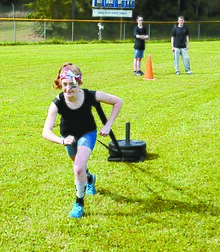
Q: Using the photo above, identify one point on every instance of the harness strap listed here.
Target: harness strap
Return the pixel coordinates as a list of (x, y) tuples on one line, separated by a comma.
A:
[(103, 118)]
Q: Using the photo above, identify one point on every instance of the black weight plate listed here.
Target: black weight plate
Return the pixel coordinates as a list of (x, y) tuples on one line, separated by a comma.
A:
[(131, 144), (133, 152)]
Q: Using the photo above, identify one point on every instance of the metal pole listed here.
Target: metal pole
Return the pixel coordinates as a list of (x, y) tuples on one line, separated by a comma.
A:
[(127, 135), (13, 14), (149, 32), (72, 31), (45, 28), (72, 16), (100, 34), (121, 29), (101, 27), (199, 31)]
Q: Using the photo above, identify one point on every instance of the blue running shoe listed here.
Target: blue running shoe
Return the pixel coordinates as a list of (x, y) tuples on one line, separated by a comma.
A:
[(90, 188), (77, 211)]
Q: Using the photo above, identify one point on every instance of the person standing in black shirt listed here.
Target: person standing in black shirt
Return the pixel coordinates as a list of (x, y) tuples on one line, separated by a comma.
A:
[(77, 127), (180, 45), (140, 34)]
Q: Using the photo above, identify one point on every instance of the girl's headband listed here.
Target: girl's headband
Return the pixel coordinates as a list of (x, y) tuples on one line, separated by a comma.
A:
[(67, 74)]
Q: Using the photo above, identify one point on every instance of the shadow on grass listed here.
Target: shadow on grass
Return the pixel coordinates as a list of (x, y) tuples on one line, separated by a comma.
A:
[(200, 207), (149, 156), (152, 156), (157, 204)]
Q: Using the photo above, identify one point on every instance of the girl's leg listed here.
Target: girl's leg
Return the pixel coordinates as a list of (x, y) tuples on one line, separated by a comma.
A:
[(82, 156), (85, 145), (89, 175), (79, 167)]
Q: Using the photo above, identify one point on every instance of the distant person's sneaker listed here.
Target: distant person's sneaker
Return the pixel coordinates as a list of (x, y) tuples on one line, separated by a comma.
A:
[(137, 73)]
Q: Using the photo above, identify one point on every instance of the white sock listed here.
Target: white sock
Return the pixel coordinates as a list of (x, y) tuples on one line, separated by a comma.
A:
[(80, 189)]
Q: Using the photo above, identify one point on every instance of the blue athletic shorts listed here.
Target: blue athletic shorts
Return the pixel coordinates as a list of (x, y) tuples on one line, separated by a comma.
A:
[(88, 140), (138, 54)]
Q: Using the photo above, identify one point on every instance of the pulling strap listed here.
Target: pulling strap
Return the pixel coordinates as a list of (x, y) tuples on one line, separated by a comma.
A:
[(103, 118)]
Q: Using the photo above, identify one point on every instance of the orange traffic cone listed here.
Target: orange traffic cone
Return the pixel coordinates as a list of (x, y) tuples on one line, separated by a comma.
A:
[(149, 70)]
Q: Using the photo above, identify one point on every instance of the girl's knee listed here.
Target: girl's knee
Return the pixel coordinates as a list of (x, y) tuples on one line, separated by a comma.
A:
[(78, 170)]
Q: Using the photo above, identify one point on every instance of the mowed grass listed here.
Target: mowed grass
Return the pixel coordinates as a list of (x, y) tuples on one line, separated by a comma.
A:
[(169, 202)]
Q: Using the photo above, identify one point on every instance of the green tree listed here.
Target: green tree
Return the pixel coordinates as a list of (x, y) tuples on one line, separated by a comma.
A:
[(157, 10), (60, 9)]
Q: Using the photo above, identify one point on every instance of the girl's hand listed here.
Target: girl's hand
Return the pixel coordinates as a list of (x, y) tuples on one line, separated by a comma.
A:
[(69, 140), (105, 131)]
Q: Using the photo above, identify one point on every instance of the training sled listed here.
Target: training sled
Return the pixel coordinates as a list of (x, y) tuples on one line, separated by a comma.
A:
[(123, 150), (127, 150)]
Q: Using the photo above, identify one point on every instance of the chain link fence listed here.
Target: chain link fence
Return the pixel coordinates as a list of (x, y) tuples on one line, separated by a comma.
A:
[(23, 30)]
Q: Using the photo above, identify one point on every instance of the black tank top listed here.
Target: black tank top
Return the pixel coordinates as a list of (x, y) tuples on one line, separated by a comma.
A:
[(76, 122)]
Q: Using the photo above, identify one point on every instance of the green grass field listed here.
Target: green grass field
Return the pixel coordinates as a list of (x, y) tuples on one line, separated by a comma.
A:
[(170, 202)]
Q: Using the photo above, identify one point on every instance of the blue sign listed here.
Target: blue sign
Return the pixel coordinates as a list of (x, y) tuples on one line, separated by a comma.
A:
[(113, 4)]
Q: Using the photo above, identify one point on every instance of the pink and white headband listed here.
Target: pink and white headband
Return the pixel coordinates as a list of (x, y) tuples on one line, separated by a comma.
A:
[(67, 74)]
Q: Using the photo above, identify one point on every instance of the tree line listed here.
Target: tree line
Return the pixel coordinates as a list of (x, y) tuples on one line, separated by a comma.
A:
[(151, 10)]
